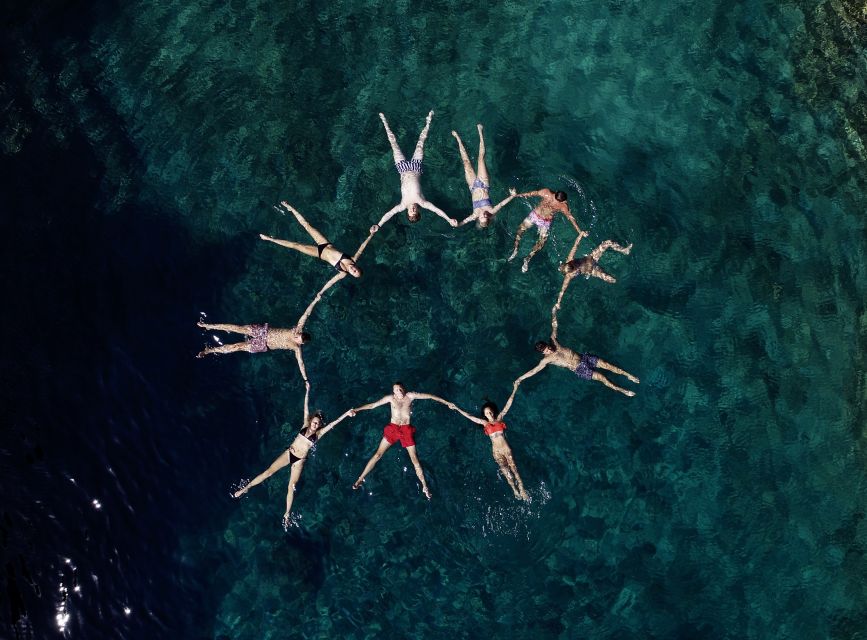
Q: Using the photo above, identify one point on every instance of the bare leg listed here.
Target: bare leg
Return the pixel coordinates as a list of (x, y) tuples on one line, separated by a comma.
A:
[(419, 146), (318, 238), (503, 463), (600, 378), (602, 364), (306, 249), (514, 468), (483, 168), (383, 447), (278, 464), (608, 244), (543, 238), (596, 272), (522, 229), (418, 471), (246, 329), (469, 174), (290, 491), (225, 348), (395, 149)]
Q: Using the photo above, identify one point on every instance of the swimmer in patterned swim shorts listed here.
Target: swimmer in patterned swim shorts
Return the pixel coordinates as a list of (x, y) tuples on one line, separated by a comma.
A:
[(552, 203), (584, 365), (399, 429)]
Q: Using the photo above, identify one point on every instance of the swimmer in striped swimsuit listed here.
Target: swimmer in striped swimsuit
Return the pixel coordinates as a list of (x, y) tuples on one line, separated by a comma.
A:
[(479, 185), (495, 428), (411, 197), (541, 217)]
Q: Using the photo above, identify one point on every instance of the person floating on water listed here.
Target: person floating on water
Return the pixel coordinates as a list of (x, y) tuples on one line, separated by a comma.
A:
[(495, 428), (398, 429), (323, 249), (261, 338), (411, 197), (588, 265), (552, 203), (480, 184), (584, 365), (295, 455)]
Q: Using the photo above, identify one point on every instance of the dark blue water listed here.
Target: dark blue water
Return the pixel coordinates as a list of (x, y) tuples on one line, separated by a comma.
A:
[(141, 146)]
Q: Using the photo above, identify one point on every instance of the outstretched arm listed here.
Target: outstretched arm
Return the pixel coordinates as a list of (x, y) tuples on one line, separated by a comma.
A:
[(574, 250), (529, 374), (301, 367), (468, 416), (529, 194), (414, 395), (554, 326), (370, 405), (566, 280), (442, 214), (306, 404), (468, 219), (334, 280), (364, 244), (333, 424), (508, 404), (388, 215), (571, 218), (512, 195)]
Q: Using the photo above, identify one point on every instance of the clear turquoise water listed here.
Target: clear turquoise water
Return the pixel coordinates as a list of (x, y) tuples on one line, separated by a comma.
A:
[(724, 140)]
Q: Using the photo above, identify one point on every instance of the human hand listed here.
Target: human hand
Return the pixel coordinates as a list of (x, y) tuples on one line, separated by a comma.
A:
[(352, 413), (374, 229), (307, 384), (453, 222), (451, 405), (430, 116), (513, 191), (425, 490)]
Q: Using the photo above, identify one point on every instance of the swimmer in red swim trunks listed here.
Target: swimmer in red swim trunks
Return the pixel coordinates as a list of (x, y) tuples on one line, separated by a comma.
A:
[(495, 428), (584, 365), (552, 203), (398, 429)]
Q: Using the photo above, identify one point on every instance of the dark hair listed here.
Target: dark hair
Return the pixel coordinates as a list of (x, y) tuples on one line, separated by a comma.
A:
[(398, 384), (560, 196), (305, 337), (490, 405), (315, 414), (413, 213), (541, 346), (569, 267)]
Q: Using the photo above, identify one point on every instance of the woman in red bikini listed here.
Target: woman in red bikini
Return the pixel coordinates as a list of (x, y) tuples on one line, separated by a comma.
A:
[(553, 202), (495, 428)]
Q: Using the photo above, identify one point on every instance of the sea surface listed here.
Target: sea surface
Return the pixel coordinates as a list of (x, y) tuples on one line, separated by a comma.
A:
[(142, 146)]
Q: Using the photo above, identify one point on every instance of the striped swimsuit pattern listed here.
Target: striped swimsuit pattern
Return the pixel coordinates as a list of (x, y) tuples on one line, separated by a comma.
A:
[(408, 166)]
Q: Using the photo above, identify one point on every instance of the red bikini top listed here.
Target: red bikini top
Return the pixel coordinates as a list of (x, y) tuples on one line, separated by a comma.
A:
[(494, 427)]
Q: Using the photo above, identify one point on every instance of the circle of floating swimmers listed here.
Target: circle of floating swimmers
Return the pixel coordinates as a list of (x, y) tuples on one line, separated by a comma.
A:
[(262, 337)]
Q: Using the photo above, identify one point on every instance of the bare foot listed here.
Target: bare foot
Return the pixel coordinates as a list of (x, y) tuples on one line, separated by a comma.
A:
[(203, 353), (430, 116), (632, 378), (264, 237), (525, 266), (286, 521), (627, 249), (514, 253), (629, 393), (479, 127), (425, 490), (202, 323), (455, 134), (239, 492), (357, 484), (525, 496)]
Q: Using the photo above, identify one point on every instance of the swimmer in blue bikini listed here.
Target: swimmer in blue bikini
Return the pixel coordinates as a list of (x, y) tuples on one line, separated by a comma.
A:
[(479, 185), (552, 203), (411, 197), (585, 365)]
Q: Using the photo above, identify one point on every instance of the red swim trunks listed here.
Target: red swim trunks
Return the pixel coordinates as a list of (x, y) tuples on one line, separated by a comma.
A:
[(403, 432)]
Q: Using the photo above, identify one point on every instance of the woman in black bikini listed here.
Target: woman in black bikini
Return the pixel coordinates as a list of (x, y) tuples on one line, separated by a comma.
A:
[(323, 249), (295, 455), (479, 184), (495, 428)]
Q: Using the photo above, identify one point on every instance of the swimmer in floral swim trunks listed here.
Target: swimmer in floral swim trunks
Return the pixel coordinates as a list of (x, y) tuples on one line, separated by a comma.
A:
[(552, 203), (584, 365), (399, 429), (261, 338)]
